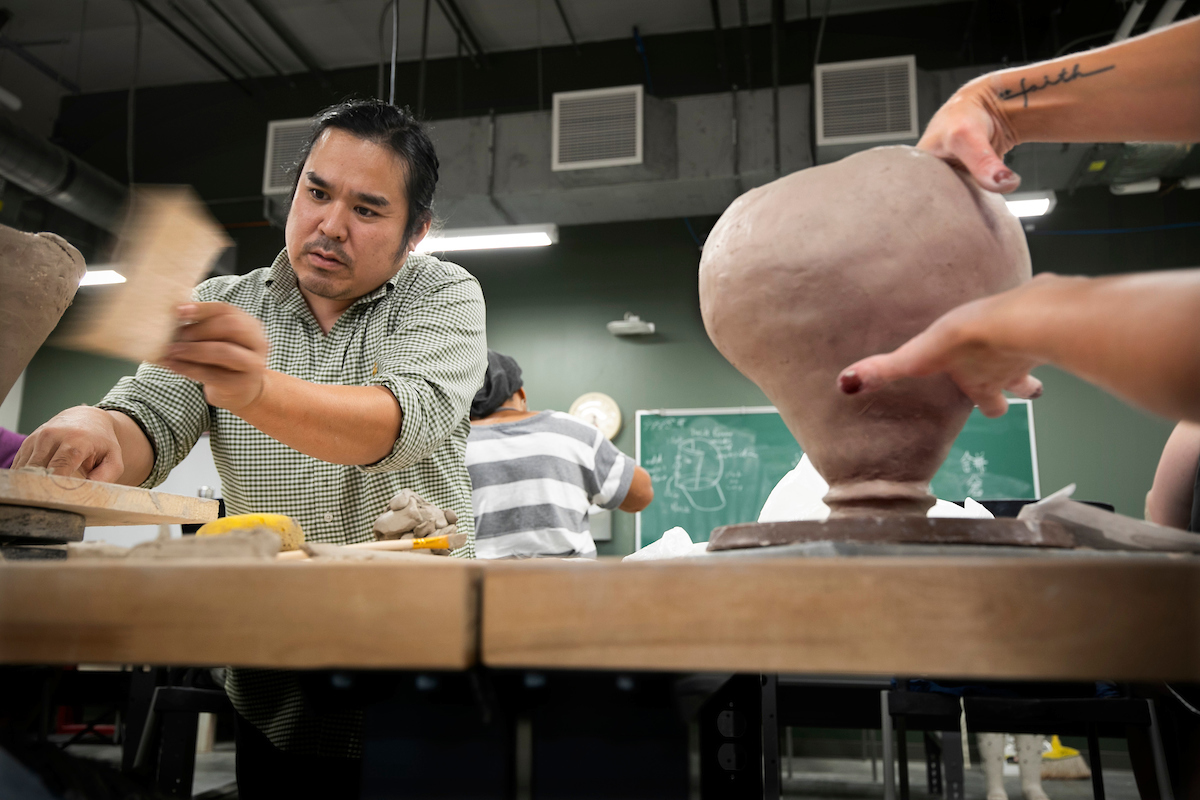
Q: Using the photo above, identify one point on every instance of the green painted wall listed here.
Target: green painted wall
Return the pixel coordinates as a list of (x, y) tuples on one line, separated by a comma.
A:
[(57, 379), (548, 307), (1088, 437)]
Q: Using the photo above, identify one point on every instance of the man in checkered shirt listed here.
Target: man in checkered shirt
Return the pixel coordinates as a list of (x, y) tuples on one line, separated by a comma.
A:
[(329, 381)]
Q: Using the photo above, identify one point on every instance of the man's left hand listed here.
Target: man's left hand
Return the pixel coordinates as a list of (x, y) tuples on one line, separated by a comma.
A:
[(223, 348)]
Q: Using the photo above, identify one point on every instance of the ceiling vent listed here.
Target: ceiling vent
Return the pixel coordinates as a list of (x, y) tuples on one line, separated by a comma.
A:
[(284, 139), (597, 128), (867, 101)]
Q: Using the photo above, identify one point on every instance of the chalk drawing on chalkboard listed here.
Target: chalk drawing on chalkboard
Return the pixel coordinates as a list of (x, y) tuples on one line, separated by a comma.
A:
[(699, 466), (974, 465)]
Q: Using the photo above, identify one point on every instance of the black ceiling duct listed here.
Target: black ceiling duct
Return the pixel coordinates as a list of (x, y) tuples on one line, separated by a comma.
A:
[(46, 170)]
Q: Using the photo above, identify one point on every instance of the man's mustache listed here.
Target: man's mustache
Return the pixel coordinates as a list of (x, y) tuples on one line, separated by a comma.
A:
[(328, 245)]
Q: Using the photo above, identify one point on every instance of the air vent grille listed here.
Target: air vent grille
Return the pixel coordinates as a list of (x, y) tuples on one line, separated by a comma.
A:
[(284, 139), (867, 101), (597, 128)]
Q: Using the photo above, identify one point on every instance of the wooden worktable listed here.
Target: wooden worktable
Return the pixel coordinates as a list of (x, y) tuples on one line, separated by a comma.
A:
[(390, 614), (1020, 618), (1120, 619)]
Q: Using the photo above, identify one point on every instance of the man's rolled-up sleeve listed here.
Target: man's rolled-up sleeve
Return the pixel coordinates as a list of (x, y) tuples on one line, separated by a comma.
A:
[(169, 408), (433, 363)]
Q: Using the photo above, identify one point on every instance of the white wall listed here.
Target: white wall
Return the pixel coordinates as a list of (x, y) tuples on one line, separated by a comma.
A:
[(10, 409)]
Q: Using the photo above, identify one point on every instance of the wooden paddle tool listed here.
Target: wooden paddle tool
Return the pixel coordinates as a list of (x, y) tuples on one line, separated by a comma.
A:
[(168, 245)]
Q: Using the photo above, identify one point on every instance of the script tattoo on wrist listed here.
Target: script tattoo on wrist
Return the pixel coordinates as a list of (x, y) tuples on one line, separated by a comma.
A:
[(1064, 76)]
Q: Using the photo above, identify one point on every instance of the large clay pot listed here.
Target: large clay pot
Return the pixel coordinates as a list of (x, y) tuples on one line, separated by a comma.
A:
[(39, 274), (804, 276)]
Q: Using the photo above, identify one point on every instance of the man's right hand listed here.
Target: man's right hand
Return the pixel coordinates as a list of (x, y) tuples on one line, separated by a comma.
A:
[(81, 442)]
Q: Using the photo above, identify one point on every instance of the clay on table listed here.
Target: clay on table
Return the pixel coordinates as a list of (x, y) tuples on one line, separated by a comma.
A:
[(806, 275), (39, 274)]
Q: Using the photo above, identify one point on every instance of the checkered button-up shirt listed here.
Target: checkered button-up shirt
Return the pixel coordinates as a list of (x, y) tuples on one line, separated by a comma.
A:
[(421, 335)]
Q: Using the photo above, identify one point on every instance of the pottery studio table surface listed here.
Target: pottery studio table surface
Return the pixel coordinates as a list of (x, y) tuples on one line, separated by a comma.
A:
[(371, 615), (599, 655), (1134, 618)]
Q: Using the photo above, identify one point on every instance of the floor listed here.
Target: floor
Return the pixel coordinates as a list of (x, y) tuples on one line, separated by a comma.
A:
[(213, 779), (847, 779), (810, 778)]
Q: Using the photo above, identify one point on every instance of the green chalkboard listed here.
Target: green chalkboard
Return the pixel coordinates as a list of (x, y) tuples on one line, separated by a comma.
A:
[(713, 467)]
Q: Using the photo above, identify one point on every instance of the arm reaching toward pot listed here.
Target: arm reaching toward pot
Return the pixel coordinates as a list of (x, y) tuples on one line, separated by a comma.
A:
[(1138, 336), (1141, 89), (225, 349)]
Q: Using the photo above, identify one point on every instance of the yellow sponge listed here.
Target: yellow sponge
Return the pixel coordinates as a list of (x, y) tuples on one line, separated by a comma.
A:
[(288, 530)]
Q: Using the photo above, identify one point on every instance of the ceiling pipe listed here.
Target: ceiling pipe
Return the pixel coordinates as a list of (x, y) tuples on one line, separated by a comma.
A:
[(41, 66), (421, 69), (570, 33), (744, 15), (458, 33), (458, 21), (1131, 18), (48, 171), (245, 37), (1166, 15), (197, 49), (210, 38), (289, 39), (722, 66)]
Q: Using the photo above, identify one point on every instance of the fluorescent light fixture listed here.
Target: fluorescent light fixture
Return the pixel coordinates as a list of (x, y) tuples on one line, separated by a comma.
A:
[(503, 236), (1139, 187), (1031, 204), (99, 277), (1190, 182)]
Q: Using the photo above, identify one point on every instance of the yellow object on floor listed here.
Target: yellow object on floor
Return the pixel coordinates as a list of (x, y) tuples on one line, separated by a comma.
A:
[(1063, 763), (288, 530)]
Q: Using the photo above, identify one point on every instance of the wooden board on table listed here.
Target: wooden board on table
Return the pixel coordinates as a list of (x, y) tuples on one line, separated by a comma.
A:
[(418, 614), (168, 245), (1122, 618), (102, 503)]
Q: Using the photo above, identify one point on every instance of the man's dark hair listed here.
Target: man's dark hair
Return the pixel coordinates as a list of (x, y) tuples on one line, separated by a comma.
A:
[(397, 128)]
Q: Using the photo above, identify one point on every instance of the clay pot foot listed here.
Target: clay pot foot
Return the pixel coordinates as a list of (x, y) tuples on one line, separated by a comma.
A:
[(878, 499)]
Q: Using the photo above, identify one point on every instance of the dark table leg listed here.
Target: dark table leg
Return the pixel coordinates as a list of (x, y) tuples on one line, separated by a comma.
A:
[(952, 757), (770, 737), (731, 741), (177, 758), (933, 764), (1094, 758)]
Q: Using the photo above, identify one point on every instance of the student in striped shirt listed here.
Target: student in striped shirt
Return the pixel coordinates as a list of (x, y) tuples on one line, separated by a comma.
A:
[(534, 474)]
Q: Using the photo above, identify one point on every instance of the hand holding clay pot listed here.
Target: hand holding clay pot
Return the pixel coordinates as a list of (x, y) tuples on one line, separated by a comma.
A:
[(970, 345), (829, 265), (972, 130)]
